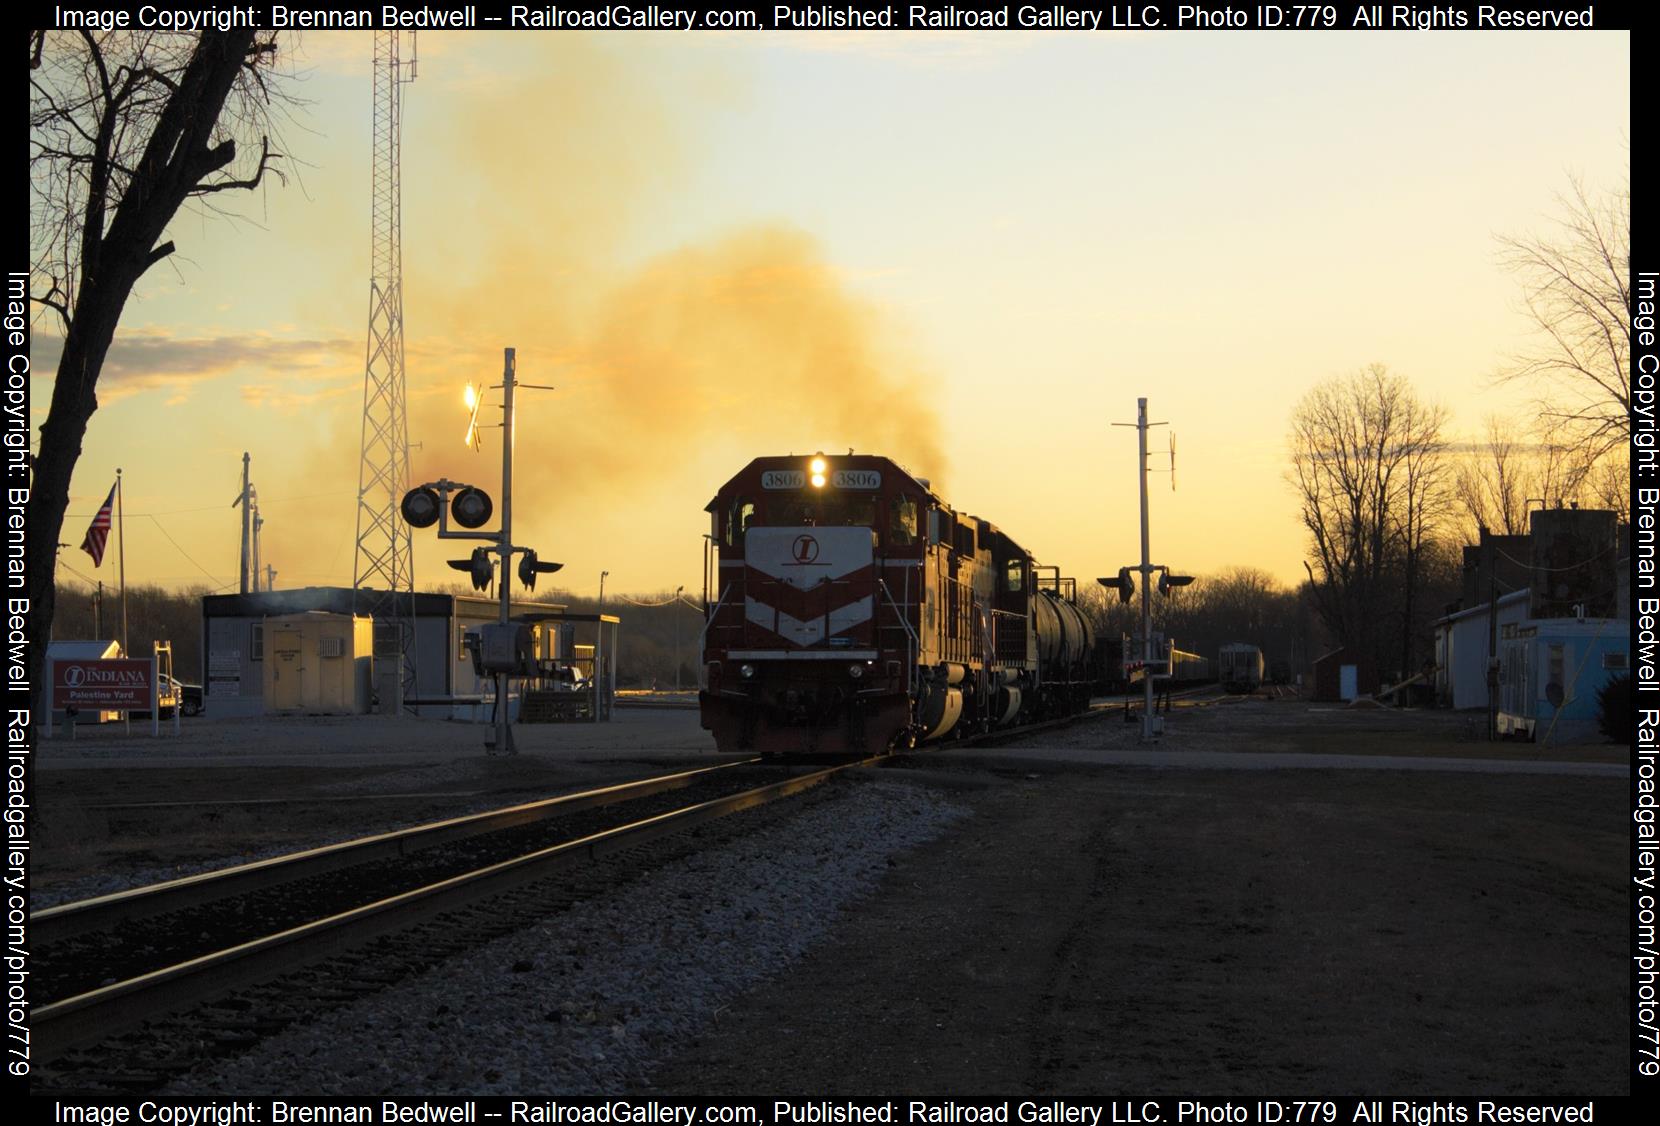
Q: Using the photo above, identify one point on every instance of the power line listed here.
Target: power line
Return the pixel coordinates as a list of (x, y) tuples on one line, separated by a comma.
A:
[(182, 551), (218, 508)]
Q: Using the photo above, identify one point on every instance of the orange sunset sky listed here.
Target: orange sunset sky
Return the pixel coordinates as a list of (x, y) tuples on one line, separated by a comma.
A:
[(970, 252)]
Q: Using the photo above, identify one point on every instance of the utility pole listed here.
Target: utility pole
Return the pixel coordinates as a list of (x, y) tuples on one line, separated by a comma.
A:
[(121, 529), (504, 728), (1149, 728), (602, 575), (677, 591), (247, 526), (259, 522)]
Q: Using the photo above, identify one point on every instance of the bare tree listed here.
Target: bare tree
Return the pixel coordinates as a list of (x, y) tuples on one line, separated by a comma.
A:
[(1576, 285), (124, 127), (1421, 510), (1517, 464), (1367, 463)]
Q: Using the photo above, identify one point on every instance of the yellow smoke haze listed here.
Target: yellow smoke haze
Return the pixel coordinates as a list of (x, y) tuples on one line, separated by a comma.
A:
[(751, 345), (672, 369)]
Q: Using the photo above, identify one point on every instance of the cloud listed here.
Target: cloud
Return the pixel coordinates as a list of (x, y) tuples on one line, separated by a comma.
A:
[(152, 359)]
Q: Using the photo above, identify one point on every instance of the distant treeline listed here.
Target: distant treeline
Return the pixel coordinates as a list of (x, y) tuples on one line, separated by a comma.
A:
[(658, 632)]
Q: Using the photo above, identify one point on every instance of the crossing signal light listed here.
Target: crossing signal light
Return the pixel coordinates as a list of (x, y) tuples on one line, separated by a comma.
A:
[(420, 507), (1167, 580), (471, 508), (1123, 584), (477, 567), (529, 568)]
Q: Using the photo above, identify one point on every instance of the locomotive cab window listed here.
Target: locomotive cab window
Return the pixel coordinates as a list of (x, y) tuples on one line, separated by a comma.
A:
[(902, 521), (857, 511), (791, 512), (1013, 575), (739, 520)]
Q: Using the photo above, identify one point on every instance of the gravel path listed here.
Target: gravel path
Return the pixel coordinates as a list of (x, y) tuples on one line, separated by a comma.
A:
[(593, 998)]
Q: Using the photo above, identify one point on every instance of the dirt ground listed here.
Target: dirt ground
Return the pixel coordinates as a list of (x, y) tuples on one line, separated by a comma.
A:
[(1094, 932), (1097, 930)]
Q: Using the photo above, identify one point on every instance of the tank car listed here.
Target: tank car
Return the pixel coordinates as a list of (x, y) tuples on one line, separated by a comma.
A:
[(1239, 667), (850, 610)]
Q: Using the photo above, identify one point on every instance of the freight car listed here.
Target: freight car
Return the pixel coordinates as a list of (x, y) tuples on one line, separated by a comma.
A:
[(1239, 667), (1189, 669), (851, 610)]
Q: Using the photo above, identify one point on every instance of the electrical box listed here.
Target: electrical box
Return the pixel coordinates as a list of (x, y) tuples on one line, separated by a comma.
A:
[(504, 648)]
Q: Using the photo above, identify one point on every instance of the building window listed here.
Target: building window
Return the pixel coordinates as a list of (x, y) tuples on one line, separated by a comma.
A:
[(256, 641)]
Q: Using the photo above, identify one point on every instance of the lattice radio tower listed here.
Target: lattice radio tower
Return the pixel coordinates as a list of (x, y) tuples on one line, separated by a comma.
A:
[(383, 580)]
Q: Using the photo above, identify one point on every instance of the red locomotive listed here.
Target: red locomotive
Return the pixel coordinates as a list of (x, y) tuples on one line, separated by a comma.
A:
[(851, 610)]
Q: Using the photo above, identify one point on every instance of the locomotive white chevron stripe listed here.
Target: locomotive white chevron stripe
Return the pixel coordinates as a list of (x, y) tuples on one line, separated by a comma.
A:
[(812, 631), (806, 557)]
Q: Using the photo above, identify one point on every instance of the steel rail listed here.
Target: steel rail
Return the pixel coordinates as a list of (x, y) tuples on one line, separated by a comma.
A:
[(104, 912), (97, 1014)]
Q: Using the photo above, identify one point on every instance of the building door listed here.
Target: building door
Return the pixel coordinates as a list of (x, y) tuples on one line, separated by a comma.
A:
[(1348, 682), (285, 653)]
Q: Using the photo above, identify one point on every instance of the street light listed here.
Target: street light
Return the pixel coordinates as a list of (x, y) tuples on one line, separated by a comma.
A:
[(602, 575), (677, 591)]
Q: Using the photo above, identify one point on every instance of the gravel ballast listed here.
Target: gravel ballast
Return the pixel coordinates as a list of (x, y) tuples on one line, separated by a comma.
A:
[(591, 999)]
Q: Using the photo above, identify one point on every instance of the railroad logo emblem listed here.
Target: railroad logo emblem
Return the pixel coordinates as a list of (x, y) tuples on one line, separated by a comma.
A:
[(805, 549), (74, 676)]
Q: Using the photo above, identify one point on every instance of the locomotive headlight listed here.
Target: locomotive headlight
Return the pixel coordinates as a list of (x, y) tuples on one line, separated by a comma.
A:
[(746, 671), (817, 467), (855, 671)]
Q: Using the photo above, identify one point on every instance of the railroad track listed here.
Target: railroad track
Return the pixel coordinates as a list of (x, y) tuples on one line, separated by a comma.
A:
[(114, 962)]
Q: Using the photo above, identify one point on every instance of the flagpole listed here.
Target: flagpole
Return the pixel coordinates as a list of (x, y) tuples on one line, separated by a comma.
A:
[(121, 530)]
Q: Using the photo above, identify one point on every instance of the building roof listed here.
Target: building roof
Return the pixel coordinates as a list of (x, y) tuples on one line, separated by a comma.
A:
[(344, 600), (1474, 611)]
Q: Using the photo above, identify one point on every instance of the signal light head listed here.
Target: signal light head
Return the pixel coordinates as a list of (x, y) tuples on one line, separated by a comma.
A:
[(477, 567), (1167, 581), (471, 508), (530, 567), (420, 507)]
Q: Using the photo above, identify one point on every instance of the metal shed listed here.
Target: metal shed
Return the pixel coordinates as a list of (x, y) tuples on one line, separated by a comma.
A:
[(319, 663)]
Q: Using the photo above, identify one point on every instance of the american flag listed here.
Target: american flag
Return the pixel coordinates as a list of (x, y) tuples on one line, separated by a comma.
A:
[(99, 530)]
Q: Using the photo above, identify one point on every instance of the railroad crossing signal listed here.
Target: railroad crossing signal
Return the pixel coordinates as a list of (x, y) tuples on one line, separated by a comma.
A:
[(477, 566), (530, 567), (1123, 584)]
